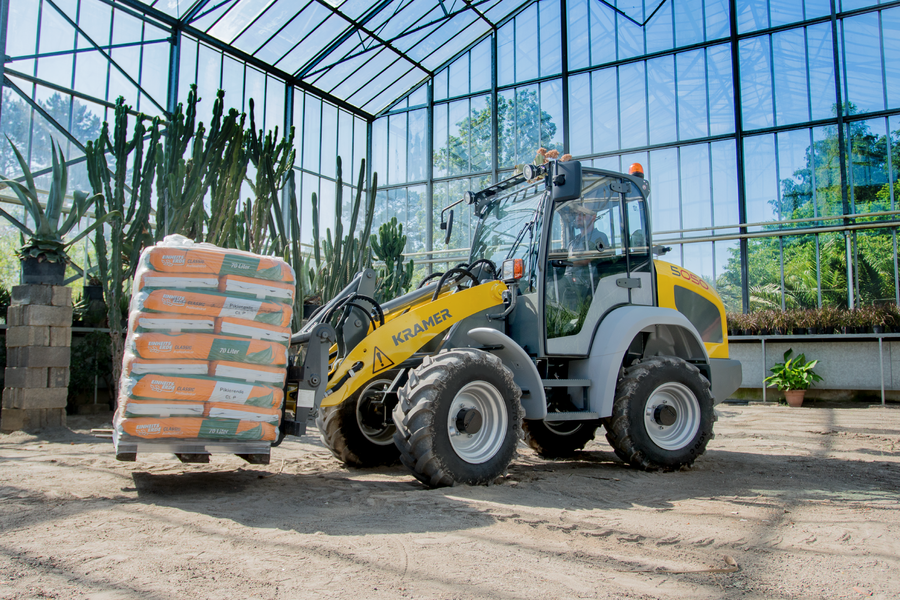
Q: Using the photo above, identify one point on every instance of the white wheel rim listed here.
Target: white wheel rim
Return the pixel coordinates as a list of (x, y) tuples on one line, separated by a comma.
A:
[(380, 437), (483, 445), (679, 434)]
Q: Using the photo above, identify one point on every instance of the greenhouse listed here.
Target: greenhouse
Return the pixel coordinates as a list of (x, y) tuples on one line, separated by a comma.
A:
[(767, 130)]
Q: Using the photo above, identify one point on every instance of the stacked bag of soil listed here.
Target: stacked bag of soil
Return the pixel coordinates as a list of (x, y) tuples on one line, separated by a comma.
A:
[(208, 335)]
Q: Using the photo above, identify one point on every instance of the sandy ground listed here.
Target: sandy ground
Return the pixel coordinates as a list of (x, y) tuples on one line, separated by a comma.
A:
[(805, 501)]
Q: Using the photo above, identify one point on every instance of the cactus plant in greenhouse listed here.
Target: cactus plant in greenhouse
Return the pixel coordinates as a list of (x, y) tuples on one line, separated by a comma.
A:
[(388, 246), (128, 235), (339, 258)]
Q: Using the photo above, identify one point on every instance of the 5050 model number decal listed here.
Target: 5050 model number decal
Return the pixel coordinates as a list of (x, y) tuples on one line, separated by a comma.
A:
[(688, 276)]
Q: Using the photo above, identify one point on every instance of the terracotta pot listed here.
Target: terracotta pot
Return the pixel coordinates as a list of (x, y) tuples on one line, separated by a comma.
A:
[(794, 397)]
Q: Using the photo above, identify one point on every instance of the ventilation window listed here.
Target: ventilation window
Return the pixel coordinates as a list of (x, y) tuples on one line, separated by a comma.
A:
[(703, 314)]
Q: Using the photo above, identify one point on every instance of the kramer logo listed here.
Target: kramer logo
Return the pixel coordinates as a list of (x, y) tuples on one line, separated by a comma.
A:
[(172, 300), (172, 260), (162, 386), (160, 346), (421, 327)]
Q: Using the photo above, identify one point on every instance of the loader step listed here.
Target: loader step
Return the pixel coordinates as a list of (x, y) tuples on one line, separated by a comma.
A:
[(566, 383), (571, 416)]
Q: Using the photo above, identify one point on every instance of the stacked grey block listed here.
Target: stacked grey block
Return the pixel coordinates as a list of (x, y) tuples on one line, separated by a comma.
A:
[(38, 340)]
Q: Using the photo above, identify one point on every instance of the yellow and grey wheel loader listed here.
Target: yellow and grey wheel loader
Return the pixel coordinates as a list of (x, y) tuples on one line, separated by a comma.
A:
[(561, 321)]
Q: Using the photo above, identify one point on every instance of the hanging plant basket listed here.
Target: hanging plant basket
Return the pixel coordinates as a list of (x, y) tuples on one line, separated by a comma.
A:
[(43, 272)]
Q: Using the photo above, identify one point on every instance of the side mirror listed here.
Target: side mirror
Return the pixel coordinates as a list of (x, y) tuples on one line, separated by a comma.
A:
[(565, 180), (448, 226)]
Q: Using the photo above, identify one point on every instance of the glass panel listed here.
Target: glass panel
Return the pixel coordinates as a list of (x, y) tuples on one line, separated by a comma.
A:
[(696, 207), (22, 28), (752, 15), (441, 165), (785, 11), (665, 193), (328, 148), (526, 44), (209, 72), (827, 172), (577, 31), (551, 116), (869, 188), (724, 184), (728, 274), (661, 95), (416, 146), (605, 106), (791, 92), (233, 83), (440, 85), (721, 90), (603, 31), (760, 179), (821, 71), (312, 122), (154, 70), (632, 95), (397, 149), (795, 187), (660, 31), (862, 70), (480, 67), (846, 5), (550, 44), (506, 127), (459, 76), (698, 259), (689, 27), (717, 19), (579, 114), (756, 83), (631, 36), (255, 89), (187, 68), (416, 219), (817, 8), (299, 28), (244, 12), (890, 25), (274, 105), (419, 97), (458, 138), (692, 110), (345, 146), (479, 133)]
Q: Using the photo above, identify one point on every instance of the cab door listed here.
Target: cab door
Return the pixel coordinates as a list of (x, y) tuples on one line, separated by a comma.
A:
[(597, 259)]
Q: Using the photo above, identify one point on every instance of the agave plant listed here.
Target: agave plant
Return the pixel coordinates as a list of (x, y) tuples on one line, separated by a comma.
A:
[(48, 240)]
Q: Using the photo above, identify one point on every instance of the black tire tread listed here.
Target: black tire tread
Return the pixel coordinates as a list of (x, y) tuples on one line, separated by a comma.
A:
[(415, 412), (618, 429)]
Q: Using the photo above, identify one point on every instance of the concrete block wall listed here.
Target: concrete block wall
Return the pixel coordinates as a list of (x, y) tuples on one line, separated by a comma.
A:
[(38, 343)]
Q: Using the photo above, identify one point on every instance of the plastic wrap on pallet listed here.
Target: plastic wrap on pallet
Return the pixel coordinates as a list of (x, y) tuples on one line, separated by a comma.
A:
[(206, 350)]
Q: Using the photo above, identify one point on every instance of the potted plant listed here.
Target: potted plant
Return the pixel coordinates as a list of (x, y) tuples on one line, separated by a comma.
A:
[(93, 290), (44, 255), (793, 377)]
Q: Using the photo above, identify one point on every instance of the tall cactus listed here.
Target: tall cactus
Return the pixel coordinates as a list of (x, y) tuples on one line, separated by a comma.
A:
[(388, 247), (129, 236), (338, 259)]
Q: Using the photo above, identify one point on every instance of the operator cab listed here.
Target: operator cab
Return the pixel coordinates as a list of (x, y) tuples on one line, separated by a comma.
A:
[(598, 257)]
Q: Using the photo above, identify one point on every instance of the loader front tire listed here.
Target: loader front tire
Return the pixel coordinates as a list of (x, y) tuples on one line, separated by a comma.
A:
[(350, 431), (558, 439), (662, 416), (458, 419)]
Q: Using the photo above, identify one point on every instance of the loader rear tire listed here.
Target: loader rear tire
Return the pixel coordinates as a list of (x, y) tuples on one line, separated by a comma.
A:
[(343, 430), (558, 439), (458, 419), (662, 416)]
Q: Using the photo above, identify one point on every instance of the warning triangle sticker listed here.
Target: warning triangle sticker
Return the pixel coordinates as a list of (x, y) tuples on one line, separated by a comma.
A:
[(380, 361)]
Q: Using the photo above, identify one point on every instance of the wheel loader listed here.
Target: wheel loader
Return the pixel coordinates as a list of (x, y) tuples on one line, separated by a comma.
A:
[(563, 320)]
